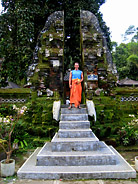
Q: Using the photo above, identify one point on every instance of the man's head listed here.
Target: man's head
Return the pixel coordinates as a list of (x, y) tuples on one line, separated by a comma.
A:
[(76, 65)]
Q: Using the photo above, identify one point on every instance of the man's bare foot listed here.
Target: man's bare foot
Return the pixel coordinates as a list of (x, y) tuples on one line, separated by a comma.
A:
[(79, 107), (69, 107)]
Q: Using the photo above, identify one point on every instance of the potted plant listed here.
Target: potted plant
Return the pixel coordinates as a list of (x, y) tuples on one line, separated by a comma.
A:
[(7, 126)]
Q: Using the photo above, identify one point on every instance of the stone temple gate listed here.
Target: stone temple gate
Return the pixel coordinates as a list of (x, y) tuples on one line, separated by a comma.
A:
[(47, 70)]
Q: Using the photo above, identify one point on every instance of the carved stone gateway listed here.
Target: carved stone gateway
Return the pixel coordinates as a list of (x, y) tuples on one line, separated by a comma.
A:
[(48, 62)]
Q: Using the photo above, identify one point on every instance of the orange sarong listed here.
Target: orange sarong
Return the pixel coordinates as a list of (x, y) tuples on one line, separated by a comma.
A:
[(75, 92)]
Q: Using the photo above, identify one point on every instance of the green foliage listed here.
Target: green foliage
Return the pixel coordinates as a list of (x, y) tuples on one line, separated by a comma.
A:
[(19, 28), (39, 119), (131, 33), (128, 134), (21, 23), (20, 134), (126, 60), (7, 110), (132, 63), (112, 115), (37, 124), (126, 91), (15, 93), (7, 127)]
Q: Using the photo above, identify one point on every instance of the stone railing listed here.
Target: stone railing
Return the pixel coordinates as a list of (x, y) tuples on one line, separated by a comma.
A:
[(130, 98), (12, 100)]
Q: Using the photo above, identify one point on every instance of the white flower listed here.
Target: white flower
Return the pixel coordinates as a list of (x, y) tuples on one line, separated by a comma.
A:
[(24, 108), (4, 120), (14, 107), (21, 111), (131, 115), (1, 119)]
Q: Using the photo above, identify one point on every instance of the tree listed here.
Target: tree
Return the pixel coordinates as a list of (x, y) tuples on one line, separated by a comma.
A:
[(21, 23), (19, 28), (131, 34), (126, 59), (114, 45), (132, 63)]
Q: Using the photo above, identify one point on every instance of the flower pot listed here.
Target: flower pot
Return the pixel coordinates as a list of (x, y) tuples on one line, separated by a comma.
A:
[(7, 169), (136, 163)]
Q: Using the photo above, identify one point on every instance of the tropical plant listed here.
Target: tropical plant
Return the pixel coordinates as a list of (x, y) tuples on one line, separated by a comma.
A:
[(7, 126), (128, 134)]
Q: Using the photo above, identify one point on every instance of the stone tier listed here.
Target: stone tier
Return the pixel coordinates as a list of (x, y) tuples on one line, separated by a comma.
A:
[(29, 170), (75, 158), (76, 144)]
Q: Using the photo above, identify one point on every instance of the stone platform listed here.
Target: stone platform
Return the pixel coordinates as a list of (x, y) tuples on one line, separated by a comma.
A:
[(75, 153)]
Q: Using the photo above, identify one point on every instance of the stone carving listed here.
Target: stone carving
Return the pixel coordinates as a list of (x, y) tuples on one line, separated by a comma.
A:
[(94, 41), (48, 54)]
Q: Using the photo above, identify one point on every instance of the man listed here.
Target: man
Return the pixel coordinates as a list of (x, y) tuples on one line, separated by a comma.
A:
[(75, 79)]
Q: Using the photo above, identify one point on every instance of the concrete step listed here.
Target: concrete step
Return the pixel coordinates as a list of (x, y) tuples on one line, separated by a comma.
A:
[(73, 111), (74, 117), (66, 106), (29, 170), (74, 124), (74, 133), (76, 144), (101, 157)]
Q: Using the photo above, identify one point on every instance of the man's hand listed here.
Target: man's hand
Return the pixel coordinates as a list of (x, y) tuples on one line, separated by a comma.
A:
[(78, 82), (70, 86)]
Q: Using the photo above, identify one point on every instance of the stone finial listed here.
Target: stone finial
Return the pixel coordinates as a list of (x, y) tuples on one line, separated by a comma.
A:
[(91, 108), (56, 110)]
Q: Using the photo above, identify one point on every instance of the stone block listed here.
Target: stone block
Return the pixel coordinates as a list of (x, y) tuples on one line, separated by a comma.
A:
[(74, 117), (74, 124), (73, 133), (73, 111)]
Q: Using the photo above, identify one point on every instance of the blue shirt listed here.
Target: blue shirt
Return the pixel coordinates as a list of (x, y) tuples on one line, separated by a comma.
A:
[(76, 74)]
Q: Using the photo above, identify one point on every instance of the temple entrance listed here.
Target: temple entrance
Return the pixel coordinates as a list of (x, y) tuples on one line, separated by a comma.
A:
[(59, 46)]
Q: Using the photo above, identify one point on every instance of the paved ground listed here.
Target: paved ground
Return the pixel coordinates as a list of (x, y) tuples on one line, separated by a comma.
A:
[(129, 156), (69, 182)]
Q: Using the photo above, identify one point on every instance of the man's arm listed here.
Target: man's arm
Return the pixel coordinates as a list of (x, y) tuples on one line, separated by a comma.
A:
[(70, 79), (81, 77)]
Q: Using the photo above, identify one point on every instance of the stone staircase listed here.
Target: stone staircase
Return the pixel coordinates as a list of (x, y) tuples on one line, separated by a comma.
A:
[(75, 153)]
